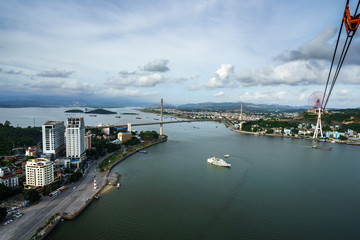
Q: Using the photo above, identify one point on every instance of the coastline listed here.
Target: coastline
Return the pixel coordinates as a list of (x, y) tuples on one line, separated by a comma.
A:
[(278, 135), (104, 188)]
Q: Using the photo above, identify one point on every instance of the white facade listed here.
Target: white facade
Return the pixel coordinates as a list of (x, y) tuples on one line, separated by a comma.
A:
[(10, 180), (39, 172), (53, 137), (4, 171), (75, 138)]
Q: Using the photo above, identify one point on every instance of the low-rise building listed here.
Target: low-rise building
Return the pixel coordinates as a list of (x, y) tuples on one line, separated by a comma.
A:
[(9, 180), (124, 136), (32, 151)]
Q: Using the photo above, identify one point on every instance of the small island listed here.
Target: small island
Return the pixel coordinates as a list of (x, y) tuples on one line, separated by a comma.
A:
[(74, 111), (100, 111), (95, 111)]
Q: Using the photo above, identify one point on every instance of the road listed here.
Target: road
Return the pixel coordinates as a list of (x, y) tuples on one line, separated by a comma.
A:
[(67, 201)]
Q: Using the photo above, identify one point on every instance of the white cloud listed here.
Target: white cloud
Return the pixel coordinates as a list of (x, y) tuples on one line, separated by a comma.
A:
[(219, 94), (150, 80), (223, 77), (54, 73)]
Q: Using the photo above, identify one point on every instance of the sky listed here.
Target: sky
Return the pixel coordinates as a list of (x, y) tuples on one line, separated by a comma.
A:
[(185, 51)]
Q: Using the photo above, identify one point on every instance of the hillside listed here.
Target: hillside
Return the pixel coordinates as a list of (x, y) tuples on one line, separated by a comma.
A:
[(236, 106)]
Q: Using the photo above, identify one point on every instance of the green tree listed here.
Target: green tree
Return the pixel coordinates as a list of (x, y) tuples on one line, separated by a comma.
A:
[(5, 192), (32, 195), (3, 213), (343, 137), (270, 131), (75, 176), (7, 123), (132, 141)]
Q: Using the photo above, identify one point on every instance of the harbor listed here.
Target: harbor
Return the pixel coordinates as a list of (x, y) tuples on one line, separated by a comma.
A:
[(264, 195)]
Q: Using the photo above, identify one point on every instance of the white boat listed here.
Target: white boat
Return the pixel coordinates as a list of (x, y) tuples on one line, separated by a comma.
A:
[(218, 162), (226, 155), (118, 185)]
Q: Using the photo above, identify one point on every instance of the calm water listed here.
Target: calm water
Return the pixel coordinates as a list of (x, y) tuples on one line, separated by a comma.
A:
[(277, 188), (23, 117)]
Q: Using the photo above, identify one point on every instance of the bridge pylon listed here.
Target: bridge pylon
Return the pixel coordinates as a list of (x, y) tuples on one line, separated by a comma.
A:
[(161, 118)]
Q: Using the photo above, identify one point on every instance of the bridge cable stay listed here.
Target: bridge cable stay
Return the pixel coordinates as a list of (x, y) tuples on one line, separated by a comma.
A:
[(351, 24)]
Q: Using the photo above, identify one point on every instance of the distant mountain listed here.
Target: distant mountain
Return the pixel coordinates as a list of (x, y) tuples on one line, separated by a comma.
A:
[(211, 106)]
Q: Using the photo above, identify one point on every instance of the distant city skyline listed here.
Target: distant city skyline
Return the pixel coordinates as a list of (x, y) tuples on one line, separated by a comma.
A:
[(263, 52)]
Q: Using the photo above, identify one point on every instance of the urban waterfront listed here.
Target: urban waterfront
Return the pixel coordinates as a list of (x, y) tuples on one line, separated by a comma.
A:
[(276, 188)]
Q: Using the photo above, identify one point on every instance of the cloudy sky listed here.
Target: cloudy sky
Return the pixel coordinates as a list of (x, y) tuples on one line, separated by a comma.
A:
[(259, 51)]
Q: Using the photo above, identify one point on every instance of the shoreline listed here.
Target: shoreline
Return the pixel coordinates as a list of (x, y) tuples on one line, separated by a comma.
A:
[(277, 135), (102, 190)]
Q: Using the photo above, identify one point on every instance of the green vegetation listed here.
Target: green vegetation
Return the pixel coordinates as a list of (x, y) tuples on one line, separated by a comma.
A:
[(343, 137), (147, 135), (309, 117), (342, 115), (74, 111), (32, 195), (3, 213), (268, 124), (101, 147), (48, 222), (132, 141), (352, 126), (6, 192), (75, 176), (12, 137), (100, 111)]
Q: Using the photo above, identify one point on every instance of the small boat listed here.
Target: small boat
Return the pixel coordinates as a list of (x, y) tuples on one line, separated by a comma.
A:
[(156, 119), (226, 155), (117, 116), (218, 162), (92, 115), (142, 151), (118, 185), (138, 117), (315, 147), (97, 196)]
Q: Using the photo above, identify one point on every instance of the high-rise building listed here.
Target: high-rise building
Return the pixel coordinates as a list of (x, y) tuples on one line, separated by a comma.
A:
[(87, 142), (75, 139), (39, 172), (53, 137)]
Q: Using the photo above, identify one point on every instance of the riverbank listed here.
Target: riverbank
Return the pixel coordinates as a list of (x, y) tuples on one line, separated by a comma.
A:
[(289, 136), (104, 187)]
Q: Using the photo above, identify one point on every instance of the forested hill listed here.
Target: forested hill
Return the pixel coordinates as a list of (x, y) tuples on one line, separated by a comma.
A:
[(13, 137)]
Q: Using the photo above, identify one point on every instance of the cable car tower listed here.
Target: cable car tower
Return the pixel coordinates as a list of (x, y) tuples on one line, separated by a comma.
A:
[(319, 100), (315, 101)]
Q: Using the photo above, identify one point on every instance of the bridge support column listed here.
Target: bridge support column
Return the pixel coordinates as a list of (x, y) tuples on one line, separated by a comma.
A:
[(161, 118), (129, 127)]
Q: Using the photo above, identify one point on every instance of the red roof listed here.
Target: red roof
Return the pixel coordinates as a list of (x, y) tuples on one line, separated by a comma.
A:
[(19, 171), (8, 176)]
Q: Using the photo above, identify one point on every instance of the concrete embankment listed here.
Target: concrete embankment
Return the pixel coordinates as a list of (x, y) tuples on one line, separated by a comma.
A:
[(90, 195), (105, 187)]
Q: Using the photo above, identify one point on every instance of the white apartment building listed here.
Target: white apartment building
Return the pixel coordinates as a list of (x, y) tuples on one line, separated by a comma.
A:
[(39, 172), (75, 138), (10, 180), (7, 178), (53, 137)]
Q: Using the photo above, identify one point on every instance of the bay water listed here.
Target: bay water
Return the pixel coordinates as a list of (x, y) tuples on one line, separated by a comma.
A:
[(276, 188)]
